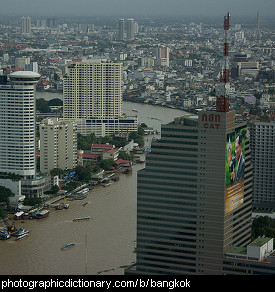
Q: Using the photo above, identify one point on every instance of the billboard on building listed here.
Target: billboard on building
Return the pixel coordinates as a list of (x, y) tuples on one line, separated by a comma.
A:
[(235, 166)]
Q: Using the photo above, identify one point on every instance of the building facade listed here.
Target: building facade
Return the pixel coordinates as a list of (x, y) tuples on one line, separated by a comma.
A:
[(17, 131), (17, 124), (130, 29), (162, 56), (194, 199), (262, 136), (92, 94), (26, 25), (58, 145), (121, 29)]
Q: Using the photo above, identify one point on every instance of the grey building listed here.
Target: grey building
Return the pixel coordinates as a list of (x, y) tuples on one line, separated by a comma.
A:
[(194, 199), (262, 135)]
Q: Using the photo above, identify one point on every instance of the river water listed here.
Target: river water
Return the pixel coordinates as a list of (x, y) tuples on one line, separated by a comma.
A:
[(105, 244)]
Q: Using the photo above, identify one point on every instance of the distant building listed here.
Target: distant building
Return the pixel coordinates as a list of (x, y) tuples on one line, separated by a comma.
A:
[(242, 66), (33, 66), (162, 56), (121, 29), (25, 25), (130, 29), (21, 62)]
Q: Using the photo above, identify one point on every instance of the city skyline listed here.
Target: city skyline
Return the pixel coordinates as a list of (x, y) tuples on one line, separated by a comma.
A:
[(134, 8)]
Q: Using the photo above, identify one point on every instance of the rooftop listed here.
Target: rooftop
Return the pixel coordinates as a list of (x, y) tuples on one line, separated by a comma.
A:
[(24, 74), (260, 241)]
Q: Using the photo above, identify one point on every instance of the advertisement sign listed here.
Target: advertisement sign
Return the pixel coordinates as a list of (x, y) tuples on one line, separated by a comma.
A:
[(235, 166)]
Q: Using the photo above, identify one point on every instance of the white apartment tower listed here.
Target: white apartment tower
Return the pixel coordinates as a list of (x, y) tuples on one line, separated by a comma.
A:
[(17, 124), (58, 145), (130, 29), (92, 95), (25, 25)]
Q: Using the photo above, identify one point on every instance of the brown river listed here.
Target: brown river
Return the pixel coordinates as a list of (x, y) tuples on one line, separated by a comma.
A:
[(105, 244)]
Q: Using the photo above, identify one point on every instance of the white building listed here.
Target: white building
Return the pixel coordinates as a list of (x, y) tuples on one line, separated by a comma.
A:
[(58, 145), (17, 124), (130, 29), (25, 25), (21, 62), (92, 95)]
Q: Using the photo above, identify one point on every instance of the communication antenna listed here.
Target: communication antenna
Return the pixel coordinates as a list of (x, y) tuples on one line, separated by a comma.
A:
[(223, 92)]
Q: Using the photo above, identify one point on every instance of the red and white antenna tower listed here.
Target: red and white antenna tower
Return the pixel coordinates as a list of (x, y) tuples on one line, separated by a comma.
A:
[(223, 91)]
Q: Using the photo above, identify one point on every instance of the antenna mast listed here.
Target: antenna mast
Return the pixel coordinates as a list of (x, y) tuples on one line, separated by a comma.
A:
[(222, 96)]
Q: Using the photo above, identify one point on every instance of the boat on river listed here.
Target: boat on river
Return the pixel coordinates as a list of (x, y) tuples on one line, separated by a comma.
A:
[(81, 218), (68, 245), (24, 235)]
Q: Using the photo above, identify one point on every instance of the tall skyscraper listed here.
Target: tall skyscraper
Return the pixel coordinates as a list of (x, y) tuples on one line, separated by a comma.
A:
[(162, 56), (194, 197), (17, 124), (121, 29), (258, 27), (92, 93), (25, 25), (262, 136), (190, 209), (130, 29), (58, 145)]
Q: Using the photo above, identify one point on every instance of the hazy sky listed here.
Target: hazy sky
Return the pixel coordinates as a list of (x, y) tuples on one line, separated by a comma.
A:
[(137, 7)]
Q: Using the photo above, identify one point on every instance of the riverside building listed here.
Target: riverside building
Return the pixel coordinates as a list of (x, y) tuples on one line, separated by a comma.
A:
[(194, 201), (92, 94), (58, 145), (17, 130)]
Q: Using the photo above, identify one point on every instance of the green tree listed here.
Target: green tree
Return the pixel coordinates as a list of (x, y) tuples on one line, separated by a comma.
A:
[(126, 156), (28, 201), (57, 171), (55, 102), (83, 173), (5, 193), (106, 164), (42, 105), (54, 189), (85, 142), (263, 225)]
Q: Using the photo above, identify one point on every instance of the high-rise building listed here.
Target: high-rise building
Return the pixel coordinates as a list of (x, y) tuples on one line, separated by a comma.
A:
[(25, 25), (58, 145), (22, 61), (92, 94), (121, 29), (190, 209), (262, 135), (32, 66), (17, 124), (194, 197), (162, 56), (17, 131), (130, 29)]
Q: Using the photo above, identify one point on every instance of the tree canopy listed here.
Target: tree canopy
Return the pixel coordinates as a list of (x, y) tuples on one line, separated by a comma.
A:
[(263, 225)]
